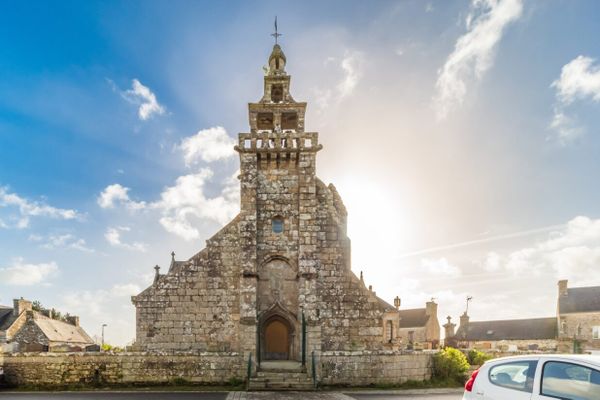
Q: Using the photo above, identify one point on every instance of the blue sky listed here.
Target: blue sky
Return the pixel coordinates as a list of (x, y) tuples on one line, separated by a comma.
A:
[(462, 135)]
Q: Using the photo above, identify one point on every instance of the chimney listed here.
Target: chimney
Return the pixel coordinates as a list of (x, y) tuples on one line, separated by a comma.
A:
[(73, 320), (464, 320), (20, 305), (562, 288), (449, 327), (431, 308)]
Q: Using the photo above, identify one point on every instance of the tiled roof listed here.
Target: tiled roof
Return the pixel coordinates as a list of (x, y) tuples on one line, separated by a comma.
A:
[(585, 299), (413, 318), (512, 329)]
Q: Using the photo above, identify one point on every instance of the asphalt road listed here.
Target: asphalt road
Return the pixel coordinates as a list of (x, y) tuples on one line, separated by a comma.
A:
[(212, 396), (115, 396), (406, 397)]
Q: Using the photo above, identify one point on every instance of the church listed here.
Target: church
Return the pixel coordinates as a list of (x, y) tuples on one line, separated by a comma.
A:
[(276, 282)]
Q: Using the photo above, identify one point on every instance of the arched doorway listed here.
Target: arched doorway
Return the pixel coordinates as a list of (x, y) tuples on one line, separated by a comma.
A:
[(277, 338), (277, 343)]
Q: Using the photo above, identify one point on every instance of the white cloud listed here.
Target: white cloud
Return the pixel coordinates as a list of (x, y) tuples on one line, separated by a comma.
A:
[(28, 208), (474, 51), (441, 267), (109, 306), (347, 71), (113, 236), (24, 274), (186, 199), (61, 242), (116, 193), (571, 253), (579, 80), (146, 100), (208, 145), (351, 64), (492, 262)]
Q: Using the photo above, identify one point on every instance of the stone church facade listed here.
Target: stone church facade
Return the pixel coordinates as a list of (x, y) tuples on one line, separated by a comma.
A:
[(283, 260)]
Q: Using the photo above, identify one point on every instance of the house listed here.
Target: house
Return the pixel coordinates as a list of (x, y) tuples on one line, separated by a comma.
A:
[(578, 312), (419, 328), (22, 329), (533, 334)]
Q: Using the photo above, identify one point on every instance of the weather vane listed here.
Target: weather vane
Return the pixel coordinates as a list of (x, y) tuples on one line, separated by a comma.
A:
[(275, 34)]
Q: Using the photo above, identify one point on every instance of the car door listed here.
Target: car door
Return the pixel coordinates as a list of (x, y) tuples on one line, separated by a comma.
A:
[(563, 379), (510, 380)]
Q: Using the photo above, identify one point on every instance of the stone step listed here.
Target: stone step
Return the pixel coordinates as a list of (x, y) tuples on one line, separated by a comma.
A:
[(270, 374), (258, 386)]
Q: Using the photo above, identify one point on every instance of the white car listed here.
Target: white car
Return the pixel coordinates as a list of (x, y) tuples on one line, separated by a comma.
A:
[(532, 377)]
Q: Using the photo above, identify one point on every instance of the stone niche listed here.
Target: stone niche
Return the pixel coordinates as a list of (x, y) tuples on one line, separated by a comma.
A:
[(264, 121)]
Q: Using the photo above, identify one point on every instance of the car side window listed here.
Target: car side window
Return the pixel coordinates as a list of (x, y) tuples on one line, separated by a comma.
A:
[(570, 381), (516, 375)]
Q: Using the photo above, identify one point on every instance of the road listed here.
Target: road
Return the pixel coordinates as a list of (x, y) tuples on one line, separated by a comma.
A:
[(221, 396)]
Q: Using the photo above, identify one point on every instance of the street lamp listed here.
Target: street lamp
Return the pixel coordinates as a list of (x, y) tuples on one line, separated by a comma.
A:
[(103, 326)]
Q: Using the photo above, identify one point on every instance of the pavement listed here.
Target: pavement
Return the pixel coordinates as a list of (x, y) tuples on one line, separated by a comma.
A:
[(433, 394)]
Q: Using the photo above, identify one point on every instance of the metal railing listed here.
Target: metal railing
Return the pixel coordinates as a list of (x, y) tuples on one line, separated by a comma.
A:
[(314, 369)]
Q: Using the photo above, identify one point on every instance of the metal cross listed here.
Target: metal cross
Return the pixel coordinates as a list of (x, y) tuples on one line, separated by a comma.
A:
[(275, 34)]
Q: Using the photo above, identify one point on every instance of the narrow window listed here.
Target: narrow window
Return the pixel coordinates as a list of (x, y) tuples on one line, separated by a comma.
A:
[(276, 93), (596, 332), (389, 331), (277, 225)]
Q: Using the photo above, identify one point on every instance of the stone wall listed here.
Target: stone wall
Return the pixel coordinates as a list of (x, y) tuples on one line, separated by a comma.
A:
[(580, 326), (87, 369), (372, 368), (56, 370)]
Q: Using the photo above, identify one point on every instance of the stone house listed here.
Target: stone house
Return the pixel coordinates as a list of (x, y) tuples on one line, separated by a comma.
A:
[(534, 334), (276, 282), (578, 311), (419, 327), (22, 330)]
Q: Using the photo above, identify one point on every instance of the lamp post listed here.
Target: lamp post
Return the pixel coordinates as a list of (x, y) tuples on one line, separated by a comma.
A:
[(103, 326)]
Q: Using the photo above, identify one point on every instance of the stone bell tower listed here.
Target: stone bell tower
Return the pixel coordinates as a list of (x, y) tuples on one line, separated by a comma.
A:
[(278, 205)]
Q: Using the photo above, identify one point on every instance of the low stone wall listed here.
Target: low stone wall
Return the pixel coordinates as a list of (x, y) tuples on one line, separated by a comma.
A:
[(364, 368), (60, 369)]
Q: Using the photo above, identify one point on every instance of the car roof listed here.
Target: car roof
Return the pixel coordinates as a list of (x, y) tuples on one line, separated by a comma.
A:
[(593, 359)]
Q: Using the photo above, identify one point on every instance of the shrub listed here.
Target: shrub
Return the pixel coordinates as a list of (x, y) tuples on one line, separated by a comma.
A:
[(477, 357), (450, 364)]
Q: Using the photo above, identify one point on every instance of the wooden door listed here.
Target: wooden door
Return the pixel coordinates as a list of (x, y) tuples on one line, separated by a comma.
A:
[(277, 343)]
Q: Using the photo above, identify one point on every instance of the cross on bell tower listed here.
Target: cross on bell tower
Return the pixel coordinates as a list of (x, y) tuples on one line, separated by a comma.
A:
[(275, 34)]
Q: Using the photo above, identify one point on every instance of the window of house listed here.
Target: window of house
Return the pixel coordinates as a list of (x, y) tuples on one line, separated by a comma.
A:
[(596, 332), (570, 381), (277, 225), (517, 375)]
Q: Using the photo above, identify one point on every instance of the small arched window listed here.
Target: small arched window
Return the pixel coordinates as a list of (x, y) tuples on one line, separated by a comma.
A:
[(277, 225)]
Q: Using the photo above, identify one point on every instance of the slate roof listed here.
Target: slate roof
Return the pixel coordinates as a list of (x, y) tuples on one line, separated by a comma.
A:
[(6, 317), (413, 318), (58, 331), (512, 329), (387, 306), (585, 299)]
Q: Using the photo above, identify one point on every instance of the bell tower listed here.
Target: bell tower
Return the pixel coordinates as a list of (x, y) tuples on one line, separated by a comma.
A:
[(278, 211)]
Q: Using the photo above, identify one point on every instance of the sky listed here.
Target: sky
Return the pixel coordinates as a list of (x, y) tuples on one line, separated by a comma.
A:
[(462, 135)]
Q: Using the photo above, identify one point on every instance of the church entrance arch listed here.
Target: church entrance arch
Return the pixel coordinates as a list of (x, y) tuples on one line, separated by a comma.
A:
[(277, 339)]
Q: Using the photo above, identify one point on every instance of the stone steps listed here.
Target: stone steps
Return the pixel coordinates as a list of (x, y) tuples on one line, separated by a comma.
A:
[(280, 380)]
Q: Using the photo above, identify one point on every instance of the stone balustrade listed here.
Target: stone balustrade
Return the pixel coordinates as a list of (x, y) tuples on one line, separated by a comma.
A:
[(287, 141)]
